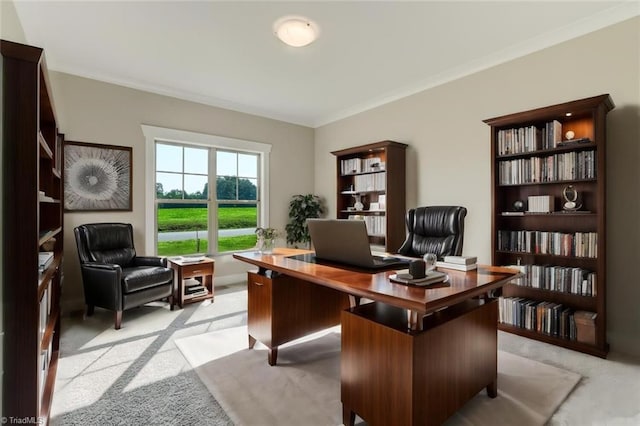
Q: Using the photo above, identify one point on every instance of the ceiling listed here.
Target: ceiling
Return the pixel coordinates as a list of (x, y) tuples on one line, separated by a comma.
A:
[(368, 53)]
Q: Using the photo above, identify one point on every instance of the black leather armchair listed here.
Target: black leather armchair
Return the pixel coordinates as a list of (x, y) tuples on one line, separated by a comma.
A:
[(435, 229), (113, 276)]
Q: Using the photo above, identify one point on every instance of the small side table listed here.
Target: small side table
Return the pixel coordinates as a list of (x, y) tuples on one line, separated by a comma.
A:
[(202, 271)]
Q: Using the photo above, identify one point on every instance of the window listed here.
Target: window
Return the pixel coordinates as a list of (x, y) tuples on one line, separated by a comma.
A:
[(183, 215)]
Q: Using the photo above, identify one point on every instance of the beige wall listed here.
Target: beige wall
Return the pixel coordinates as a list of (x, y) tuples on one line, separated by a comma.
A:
[(10, 26), (96, 112), (449, 159)]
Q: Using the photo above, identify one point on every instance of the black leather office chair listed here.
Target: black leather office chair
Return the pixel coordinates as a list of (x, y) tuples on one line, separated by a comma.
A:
[(113, 276), (435, 229)]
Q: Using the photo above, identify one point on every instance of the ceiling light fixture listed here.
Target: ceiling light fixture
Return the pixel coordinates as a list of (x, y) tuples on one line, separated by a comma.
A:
[(295, 31)]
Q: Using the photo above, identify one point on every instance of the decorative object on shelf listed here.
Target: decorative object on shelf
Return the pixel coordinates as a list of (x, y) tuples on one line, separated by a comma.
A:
[(266, 239), (540, 204), (358, 204), (301, 208), (569, 135), (571, 199), (518, 205), (97, 177)]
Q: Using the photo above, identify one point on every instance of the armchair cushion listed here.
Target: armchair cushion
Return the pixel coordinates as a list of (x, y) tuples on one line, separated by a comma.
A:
[(142, 277), (109, 243)]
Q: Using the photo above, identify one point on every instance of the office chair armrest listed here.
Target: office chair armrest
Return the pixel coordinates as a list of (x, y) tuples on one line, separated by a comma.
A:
[(150, 261)]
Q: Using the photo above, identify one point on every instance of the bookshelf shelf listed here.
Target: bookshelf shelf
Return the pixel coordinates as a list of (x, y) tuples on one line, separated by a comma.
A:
[(546, 152), (385, 185), (557, 182), (524, 147), (31, 298), (565, 343)]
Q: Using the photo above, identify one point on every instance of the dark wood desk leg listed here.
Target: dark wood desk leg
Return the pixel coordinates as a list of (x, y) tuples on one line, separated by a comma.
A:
[(492, 389), (348, 416), (252, 341), (273, 356)]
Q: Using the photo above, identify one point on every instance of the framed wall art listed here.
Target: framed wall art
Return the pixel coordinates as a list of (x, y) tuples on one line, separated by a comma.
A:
[(97, 177)]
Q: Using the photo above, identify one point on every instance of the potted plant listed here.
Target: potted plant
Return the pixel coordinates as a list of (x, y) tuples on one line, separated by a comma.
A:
[(301, 208), (266, 239)]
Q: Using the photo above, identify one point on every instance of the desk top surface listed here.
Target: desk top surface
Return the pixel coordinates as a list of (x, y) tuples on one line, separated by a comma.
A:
[(377, 286)]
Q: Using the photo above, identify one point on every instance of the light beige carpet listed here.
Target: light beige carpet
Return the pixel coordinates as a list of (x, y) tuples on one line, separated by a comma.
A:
[(304, 388)]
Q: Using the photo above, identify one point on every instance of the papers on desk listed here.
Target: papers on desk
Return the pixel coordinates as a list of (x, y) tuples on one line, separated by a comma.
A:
[(432, 277)]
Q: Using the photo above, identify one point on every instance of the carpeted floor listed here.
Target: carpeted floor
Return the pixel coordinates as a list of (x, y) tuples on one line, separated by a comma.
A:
[(304, 389), (137, 375)]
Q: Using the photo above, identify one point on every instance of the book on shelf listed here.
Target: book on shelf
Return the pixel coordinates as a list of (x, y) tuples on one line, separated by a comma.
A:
[(196, 290), (462, 260), (554, 133), (565, 279), (44, 260), (43, 197), (456, 266), (549, 168)]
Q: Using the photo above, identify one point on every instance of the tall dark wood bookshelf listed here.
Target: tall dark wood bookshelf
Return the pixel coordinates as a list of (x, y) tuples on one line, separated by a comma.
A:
[(562, 251), (32, 223), (374, 173)]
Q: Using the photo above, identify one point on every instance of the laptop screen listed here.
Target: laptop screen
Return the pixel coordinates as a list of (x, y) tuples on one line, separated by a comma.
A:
[(344, 241)]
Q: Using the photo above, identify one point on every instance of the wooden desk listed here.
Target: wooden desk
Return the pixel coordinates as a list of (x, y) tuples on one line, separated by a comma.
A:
[(413, 357), (202, 271)]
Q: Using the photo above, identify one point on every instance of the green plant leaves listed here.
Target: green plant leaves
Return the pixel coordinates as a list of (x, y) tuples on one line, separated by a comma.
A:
[(301, 208)]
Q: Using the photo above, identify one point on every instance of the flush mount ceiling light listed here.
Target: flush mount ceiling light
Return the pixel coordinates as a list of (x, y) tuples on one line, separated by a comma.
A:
[(295, 31)]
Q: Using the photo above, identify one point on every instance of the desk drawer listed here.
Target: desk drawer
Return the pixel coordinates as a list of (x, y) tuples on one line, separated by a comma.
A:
[(197, 270)]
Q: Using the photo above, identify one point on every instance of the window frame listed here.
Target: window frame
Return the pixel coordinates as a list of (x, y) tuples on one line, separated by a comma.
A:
[(155, 134)]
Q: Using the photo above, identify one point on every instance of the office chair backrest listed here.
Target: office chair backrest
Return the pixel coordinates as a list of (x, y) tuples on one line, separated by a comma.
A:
[(435, 229), (105, 243)]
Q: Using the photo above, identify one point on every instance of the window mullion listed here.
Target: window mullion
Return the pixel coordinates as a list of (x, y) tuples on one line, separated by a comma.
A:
[(212, 203)]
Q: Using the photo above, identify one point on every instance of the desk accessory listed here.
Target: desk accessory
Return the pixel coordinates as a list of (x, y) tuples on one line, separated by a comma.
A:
[(457, 266), (417, 269), (432, 277), (461, 260), (430, 260)]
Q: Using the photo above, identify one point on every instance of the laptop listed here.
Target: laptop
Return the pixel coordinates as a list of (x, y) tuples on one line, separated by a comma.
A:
[(346, 241)]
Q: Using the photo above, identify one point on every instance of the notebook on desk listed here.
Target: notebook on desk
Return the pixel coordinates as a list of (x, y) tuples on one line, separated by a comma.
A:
[(346, 241)]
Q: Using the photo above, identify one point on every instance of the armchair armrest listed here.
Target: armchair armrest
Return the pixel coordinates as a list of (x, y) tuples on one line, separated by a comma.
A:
[(102, 285), (150, 261)]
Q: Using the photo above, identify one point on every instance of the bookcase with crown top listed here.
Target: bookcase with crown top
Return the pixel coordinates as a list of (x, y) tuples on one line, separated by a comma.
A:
[(374, 175), (538, 155), (32, 224)]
